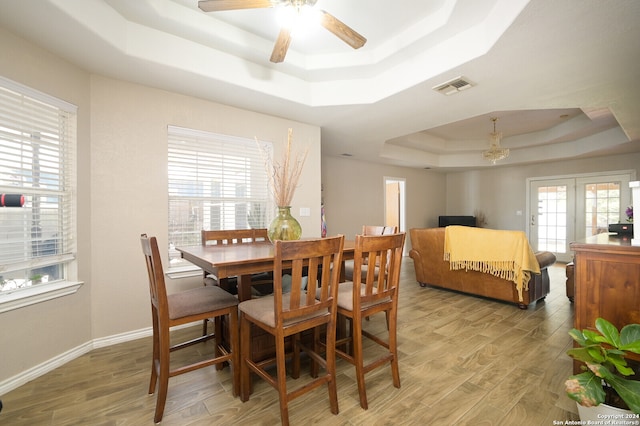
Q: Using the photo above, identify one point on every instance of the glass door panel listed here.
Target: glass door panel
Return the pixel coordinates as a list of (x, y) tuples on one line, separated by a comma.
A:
[(601, 201), (550, 227)]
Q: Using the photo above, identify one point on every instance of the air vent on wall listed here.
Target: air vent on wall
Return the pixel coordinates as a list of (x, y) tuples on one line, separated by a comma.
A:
[(451, 87)]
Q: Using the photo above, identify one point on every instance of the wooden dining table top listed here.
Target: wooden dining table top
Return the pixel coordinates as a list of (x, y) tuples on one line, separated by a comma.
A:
[(241, 260)]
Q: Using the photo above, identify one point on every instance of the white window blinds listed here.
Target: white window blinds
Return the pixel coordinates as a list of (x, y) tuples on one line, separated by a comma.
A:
[(37, 161), (215, 182)]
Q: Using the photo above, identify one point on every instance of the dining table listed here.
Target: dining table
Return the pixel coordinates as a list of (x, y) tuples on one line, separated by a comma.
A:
[(243, 260)]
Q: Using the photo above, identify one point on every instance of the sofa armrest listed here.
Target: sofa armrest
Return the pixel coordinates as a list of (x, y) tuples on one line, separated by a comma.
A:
[(545, 258), (418, 266), (414, 254)]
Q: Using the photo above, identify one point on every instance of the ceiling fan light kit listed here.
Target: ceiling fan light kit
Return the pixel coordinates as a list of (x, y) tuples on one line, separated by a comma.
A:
[(328, 21)]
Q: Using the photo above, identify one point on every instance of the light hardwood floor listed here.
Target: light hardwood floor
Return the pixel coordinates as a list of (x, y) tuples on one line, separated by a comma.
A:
[(463, 361)]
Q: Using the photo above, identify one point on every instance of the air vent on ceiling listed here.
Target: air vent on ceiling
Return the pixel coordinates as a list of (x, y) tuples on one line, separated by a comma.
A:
[(451, 87)]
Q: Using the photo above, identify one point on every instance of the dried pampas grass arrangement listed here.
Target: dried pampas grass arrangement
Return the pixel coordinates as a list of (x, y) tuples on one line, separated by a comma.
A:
[(284, 176)]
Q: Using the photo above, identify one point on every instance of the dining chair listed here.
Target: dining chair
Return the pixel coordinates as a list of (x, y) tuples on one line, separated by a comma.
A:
[(378, 230), (170, 310), (372, 294), (310, 304), (233, 236), (368, 230)]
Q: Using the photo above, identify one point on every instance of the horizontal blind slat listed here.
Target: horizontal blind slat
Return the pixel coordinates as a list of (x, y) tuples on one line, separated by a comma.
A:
[(215, 182)]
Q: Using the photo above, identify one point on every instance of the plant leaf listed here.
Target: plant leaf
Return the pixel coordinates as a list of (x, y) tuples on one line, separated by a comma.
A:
[(592, 336), (581, 354), (585, 388), (577, 336), (630, 338), (629, 391), (596, 353), (609, 331)]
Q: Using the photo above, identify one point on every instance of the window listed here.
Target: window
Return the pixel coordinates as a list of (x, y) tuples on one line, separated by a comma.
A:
[(37, 163), (602, 202), (215, 182)]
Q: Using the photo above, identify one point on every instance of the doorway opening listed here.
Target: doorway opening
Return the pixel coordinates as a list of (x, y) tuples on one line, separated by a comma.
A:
[(394, 202)]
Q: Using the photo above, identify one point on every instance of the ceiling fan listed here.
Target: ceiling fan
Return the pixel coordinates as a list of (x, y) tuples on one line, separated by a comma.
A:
[(330, 22)]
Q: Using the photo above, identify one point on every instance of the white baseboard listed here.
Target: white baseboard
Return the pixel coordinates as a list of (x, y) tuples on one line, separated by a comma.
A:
[(59, 360), (123, 337)]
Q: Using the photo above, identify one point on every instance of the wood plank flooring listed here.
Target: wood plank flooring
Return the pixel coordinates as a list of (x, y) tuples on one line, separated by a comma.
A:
[(463, 360)]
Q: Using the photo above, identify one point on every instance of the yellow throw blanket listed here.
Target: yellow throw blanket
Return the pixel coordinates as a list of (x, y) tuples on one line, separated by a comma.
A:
[(504, 254)]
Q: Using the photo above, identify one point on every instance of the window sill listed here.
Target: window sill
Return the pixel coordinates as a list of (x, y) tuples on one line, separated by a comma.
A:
[(39, 293), (183, 272)]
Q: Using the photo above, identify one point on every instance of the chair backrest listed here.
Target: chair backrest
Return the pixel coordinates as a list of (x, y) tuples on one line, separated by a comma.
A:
[(320, 259), (157, 287), (380, 282), (379, 230), (234, 236)]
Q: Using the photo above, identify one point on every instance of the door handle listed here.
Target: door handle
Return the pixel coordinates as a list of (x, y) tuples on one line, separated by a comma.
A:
[(533, 220)]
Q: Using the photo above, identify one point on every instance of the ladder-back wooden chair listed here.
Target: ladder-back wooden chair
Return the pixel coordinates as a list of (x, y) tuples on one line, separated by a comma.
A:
[(372, 294), (234, 236), (368, 230), (170, 310), (378, 230), (310, 305)]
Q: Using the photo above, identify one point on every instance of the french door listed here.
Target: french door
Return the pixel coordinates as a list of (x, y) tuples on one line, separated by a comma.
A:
[(567, 209), (552, 216)]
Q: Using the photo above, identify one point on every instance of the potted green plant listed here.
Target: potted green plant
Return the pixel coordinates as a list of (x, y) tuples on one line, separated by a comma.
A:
[(606, 369)]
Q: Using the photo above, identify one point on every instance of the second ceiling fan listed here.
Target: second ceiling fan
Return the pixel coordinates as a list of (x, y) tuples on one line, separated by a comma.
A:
[(330, 22)]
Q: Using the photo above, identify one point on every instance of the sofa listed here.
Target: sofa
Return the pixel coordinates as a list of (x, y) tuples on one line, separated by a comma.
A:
[(427, 252)]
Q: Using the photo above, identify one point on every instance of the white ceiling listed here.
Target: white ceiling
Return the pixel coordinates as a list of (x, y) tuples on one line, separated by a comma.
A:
[(561, 76)]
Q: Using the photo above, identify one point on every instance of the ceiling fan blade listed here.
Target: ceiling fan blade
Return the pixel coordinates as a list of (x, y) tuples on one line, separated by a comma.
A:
[(282, 45), (218, 5), (342, 30)]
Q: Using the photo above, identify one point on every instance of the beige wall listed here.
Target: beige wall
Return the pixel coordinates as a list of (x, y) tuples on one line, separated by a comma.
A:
[(37, 333), (122, 179), (353, 191), (129, 185), (499, 192), (353, 194)]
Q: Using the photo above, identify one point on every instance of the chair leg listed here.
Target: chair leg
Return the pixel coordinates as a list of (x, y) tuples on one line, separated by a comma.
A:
[(313, 366), (358, 359), (235, 350), (204, 327), (205, 321), (330, 359), (295, 357), (155, 361), (218, 336), (245, 355), (393, 347), (163, 379), (282, 380)]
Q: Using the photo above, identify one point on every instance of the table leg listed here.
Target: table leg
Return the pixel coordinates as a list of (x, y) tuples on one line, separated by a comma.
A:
[(244, 287)]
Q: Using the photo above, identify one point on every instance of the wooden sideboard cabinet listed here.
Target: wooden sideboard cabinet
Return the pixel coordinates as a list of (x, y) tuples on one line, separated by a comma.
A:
[(607, 281)]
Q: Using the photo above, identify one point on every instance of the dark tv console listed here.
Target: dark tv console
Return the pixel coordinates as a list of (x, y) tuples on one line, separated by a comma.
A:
[(456, 220)]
